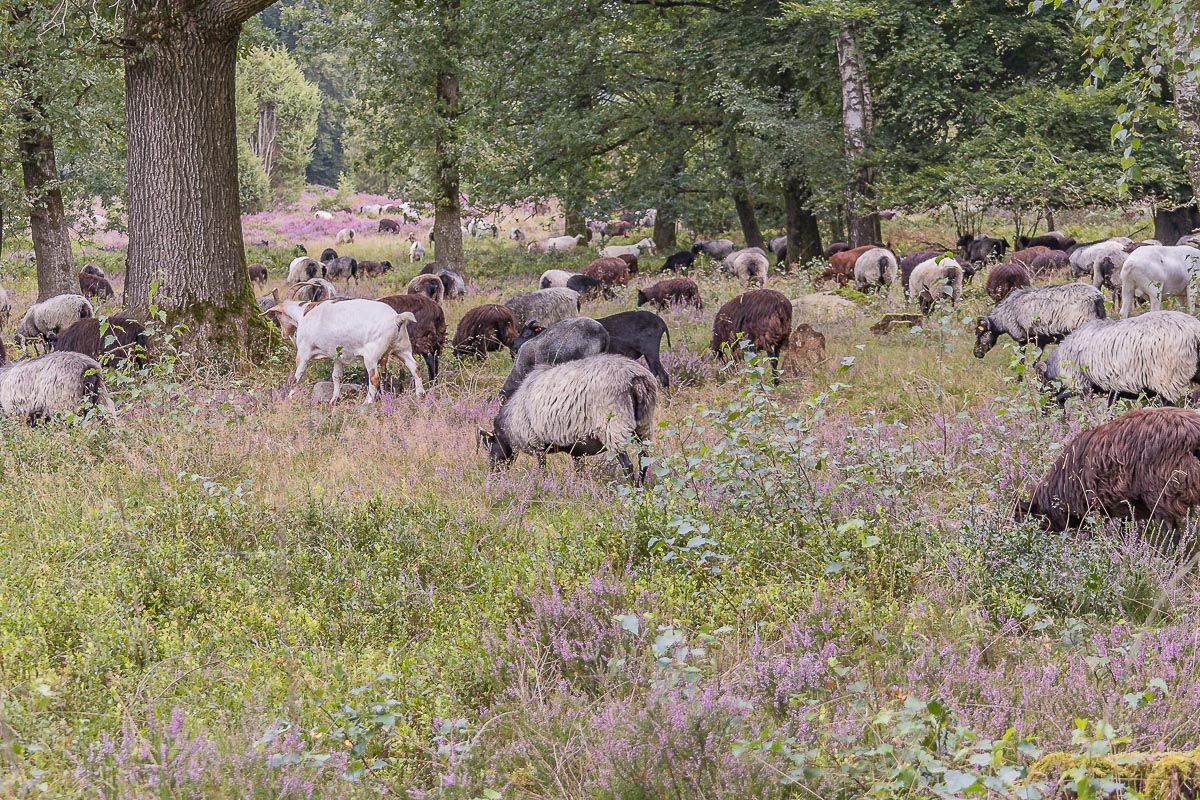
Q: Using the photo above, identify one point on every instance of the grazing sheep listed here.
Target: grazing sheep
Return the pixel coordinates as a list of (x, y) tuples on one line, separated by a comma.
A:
[(374, 267), (617, 250), (47, 319), (717, 248), (304, 268), (483, 229), (1085, 255), (484, 329), (371, 209), (328, 254), (258, 273), (416, 252), (429, 286), (517, 234), (427, 333), (582, 408), (875, 269), (679, 262), (1155, 353), (1026, 257), (343, 267), (674, 291), (346, 330), (631, 261), (554, 278), (559, 343), (1006, 277), (841, 264), (453, 285), (778, 246), (909, 262), (638, 334), (345, 236), (547, 305), (1050, 263), (1039, 316), (118, 339), (557, 244), (389, 226), (1189, 240), (1140, 466), (979, 248), (610, 272), (749, 265), (5, 307), (1055, 240), (95, 288), (314, 291), (92, 269), (322, 215), (764, 319), (931, 279), (1156, 271), (834, 249), (56, 383)]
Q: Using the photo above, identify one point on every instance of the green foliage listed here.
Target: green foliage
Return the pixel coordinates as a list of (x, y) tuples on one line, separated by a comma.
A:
[(254, 187)]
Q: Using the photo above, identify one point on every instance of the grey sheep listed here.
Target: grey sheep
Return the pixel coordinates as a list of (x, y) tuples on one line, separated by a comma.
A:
[(582, 408), (47, 319), (930, 279), (313, 290), (1157, 353), (56, 383), (1039, 316), (876, 268), (429, 285), (453, 284), (548, 306), (749, 265), (569, 340)]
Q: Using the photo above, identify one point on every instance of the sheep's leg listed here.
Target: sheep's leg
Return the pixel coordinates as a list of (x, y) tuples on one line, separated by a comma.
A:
[(411, 363), (431, 364), (773, 356), (627, 465), (372, 381), (338, 370)]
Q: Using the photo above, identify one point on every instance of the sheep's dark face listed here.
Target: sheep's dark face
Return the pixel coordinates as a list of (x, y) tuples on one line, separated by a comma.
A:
[(500, 453), (641, 298), (985, 337), (530, 331)]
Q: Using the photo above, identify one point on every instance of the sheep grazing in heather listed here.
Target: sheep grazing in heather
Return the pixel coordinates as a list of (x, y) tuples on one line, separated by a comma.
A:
[(453, 283), (56, 383), (371, 268), (841, 264), (304, 268), (428, 285), (1156, 271), (679, 262), (631, 261), (763, 318), (1003, 279), (1039, 316), (875, 269), (1055, 240), (257, 272), (1140, 466), (1050, 263), (484, 329), (834, 249), (610, 272), (587, 286), (639, 334), (95, 288), (315, 291), (547, 305), (347, 330), (584, 407), (47, 319), (427, 333), (674, 291), (1026, 257), (717, 248), (328, 254), (559, 343), (416, 251), (345, 236), (617, 250), (1157, 354), (910, 262), (557, 244), (750, 265), (115, 339), (935, 279), (389, 226), (322, 215), (342, 267), (1084, 256)]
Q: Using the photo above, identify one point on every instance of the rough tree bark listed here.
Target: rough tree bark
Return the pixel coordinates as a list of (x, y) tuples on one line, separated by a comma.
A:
[(862, 217), (447, 205), (185, 232), (740, 192), (664, 231), (47, 214), (804, 237)]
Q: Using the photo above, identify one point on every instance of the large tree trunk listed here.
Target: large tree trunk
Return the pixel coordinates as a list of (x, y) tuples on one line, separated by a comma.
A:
[(574, 222), (447, 207), (47, 215), (862, 217), (1172, 223), (185, 232), (740, 192), (664, 231), (804, 236), (1187, 111)]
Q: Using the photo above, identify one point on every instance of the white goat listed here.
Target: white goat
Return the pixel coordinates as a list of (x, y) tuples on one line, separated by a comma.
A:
[(615, 250), (1155, 271)]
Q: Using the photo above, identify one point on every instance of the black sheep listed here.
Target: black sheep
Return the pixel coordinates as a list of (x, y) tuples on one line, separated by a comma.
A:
[(638, 334), (679, 262)]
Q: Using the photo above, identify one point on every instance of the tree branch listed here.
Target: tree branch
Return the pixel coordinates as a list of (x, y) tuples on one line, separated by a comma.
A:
[(236, 11), (677, 4)]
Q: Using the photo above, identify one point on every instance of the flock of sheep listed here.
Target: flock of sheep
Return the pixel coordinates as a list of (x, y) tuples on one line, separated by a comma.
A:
[(578, 385)]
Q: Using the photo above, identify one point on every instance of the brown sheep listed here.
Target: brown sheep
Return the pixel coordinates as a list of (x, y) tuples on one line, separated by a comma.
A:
[(374, 267), (1025, 257), (258, 273), (609, 271), (1141, 465), (428, 285), (1006, 277), (841, 264), (674, 291), (124, 339), (427, 334), (389, 226), (1050, 263), (762, 316), (484, 329), (631, 260), (93, 286)]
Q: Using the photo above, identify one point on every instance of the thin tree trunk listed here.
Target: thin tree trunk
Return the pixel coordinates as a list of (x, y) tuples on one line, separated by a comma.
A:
[(185, 232), (447, 216), (47, 214), (804, 236), (740, 193), (862, 217), (664, 231)]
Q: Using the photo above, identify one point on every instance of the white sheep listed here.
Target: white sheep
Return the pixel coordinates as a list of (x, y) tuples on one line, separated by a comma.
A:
[(344, 236), (930, 280), (344, 330), (371, 210), (56, 383), (749, 265), (303, 268), (47, 319), (517, 234), (324, 215), (1156, 353), (5, 307), (416, 252), (615, 250), (555, 278), (876, 268), (557, 244), (1156, 271), (1085, 257)]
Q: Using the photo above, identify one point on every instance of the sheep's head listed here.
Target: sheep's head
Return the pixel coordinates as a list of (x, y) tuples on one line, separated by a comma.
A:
[(500, 452), (531, 330), (641, 298), (985, 337)]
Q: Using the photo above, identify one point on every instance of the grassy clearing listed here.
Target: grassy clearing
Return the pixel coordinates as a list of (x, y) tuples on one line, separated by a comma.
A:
[(230, 594)]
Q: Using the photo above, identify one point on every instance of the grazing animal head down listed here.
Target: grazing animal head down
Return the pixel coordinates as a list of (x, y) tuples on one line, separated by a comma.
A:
[(500, 452), (985, 337)]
